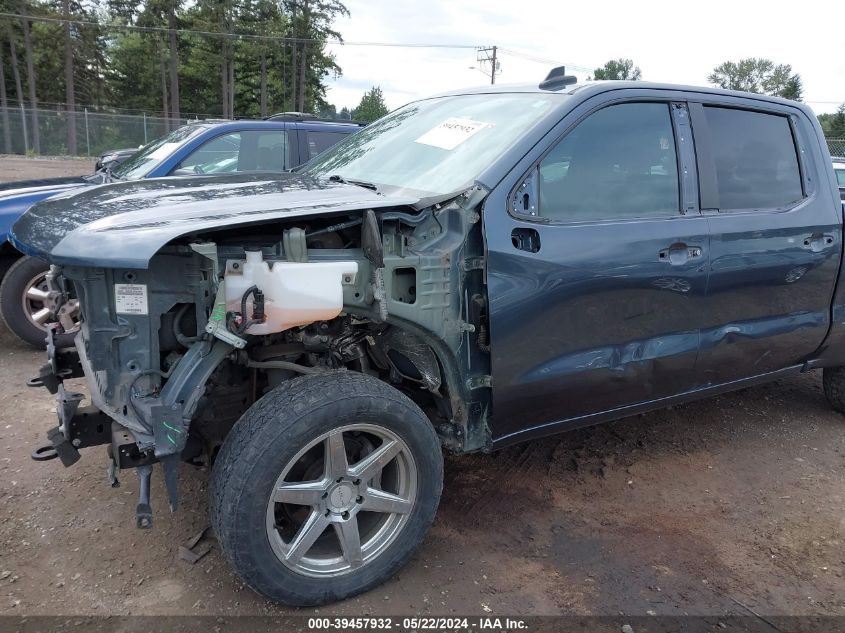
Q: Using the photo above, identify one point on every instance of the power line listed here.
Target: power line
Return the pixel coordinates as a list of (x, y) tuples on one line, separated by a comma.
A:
[(544, 60), (244, 36)]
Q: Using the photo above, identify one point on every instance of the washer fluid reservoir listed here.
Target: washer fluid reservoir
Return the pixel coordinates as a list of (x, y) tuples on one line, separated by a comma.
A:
[(295, 293)]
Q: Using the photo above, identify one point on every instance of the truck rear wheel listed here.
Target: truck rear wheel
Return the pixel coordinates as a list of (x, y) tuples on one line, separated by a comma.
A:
[(325, 487), (833, 381)]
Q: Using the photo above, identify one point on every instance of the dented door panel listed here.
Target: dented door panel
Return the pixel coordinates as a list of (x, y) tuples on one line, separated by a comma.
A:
[(595, 320)]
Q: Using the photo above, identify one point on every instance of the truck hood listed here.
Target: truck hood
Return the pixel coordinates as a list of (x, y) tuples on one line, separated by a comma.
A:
[(122, 225)]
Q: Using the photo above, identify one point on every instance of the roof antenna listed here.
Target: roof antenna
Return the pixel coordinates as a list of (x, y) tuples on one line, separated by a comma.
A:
[(557, 79)]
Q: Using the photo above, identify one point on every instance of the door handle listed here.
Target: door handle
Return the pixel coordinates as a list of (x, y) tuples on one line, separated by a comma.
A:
[(679, 254), (524, 239), (817, 242)]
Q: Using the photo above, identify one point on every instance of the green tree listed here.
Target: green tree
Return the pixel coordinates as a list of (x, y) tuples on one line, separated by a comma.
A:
[(372, 106), (328, 111), (837, 123), (758, 75), (158, 14), (31, 80), (89, 62), (310, 27), (618, 69)]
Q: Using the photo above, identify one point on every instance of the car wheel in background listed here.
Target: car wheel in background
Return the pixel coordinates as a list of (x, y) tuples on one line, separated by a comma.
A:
[(22, 295)]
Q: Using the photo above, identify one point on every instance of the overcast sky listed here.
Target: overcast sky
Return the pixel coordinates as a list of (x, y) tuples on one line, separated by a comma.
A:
[(676, 42)]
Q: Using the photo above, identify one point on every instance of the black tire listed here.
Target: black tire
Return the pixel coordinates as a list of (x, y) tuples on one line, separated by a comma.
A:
[(833, 381), (270, 434), (15, 284), (12, 291)]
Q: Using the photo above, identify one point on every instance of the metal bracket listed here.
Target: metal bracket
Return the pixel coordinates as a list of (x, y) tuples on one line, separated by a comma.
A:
[(479, 382), (294, 244), (170, 413), (458, 326), (144, 512), (473, 263)]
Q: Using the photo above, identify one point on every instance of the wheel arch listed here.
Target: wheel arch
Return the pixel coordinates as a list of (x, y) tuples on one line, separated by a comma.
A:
[(8, 256)]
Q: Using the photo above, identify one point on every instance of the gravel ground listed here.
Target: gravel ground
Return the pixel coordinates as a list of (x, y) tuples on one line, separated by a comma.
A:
[(20, 168), (724, 506)]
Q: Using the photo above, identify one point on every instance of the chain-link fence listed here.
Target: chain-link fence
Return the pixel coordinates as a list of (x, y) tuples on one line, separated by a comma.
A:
[(836, 146), (99, 131), (96, 131)]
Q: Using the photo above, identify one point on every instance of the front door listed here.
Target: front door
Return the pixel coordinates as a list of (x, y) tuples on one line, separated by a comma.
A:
[(596, 277)]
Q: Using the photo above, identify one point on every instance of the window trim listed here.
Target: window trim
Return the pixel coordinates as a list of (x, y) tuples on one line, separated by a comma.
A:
[(668, 102), (681, 120), (706, 161)]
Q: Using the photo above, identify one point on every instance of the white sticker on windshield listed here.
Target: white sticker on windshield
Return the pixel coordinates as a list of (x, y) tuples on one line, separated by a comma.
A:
[(452, 132), (130, 299)]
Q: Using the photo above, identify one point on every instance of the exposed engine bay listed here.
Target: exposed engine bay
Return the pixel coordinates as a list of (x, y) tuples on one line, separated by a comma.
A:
[(175, 353)]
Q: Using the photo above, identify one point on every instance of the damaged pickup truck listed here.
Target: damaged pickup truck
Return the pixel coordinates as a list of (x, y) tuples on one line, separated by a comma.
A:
[(470, 271)]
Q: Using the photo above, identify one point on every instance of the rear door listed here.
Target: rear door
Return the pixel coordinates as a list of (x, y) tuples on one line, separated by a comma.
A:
[(775, 239), (597, 271)]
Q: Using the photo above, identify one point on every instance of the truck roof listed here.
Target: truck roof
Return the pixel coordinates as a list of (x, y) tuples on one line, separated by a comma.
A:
[(597, 87)]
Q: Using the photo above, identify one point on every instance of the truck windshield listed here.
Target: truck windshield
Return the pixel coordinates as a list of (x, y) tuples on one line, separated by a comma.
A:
[(152, 154), (435, 146)]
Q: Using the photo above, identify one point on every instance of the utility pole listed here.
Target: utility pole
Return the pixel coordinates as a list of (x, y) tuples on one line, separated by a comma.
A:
[(488, 56)]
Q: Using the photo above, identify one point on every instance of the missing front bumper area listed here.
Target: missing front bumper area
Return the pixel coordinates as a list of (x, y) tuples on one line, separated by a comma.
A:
[(82, 427)]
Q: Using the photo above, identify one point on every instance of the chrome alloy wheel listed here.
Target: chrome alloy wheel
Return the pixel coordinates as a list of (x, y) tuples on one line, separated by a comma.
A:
[(36, 306), (34, 301), (359, 479)]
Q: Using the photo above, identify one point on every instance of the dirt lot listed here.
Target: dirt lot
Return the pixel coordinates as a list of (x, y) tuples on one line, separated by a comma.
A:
[(19, 168), (718, 507)]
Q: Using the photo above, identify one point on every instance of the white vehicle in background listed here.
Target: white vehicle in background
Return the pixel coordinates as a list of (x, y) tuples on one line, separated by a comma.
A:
[(839, 170)]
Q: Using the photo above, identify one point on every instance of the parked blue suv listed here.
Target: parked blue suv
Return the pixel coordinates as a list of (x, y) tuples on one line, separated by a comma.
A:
[(276, 144)]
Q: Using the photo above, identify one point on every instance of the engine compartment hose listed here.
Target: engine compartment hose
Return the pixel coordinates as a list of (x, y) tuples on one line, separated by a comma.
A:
[(283, 364), (185, 341)]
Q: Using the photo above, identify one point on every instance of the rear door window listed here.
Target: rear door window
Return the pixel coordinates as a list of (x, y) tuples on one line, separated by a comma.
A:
[(319, 142), (755, 159)]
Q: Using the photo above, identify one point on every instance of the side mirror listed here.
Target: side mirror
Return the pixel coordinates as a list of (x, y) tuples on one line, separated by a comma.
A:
[(184, 171), (526, 198)]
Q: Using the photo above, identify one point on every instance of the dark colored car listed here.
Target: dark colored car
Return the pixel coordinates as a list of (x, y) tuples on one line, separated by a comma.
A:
[(112, 158), (472, 270), (204, 147)]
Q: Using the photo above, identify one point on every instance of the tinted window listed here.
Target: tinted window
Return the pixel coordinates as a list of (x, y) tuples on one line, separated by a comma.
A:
[(755, 159), (618, 163), (213, 155), (840, 177), (151, 155), (319, 142), (249, 150)]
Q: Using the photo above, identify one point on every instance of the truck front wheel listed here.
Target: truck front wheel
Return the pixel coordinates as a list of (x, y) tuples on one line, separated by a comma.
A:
[(325, 487)]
